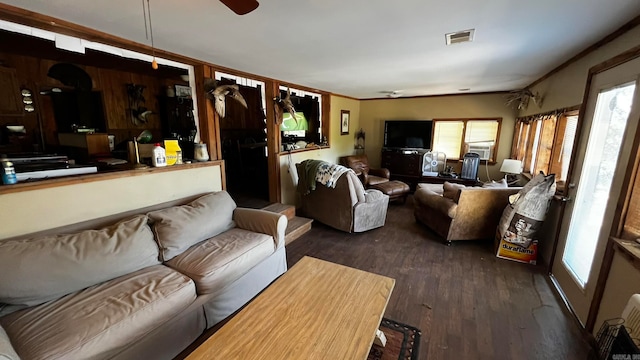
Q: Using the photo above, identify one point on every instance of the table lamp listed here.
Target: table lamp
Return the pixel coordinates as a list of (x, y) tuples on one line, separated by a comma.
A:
[(510, 167)]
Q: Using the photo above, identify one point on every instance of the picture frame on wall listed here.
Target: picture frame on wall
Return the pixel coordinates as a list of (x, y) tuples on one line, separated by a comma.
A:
[(345, 118)]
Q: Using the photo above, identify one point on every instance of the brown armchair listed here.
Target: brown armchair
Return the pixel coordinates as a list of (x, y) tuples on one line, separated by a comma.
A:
[(347, 206), (368, 176)]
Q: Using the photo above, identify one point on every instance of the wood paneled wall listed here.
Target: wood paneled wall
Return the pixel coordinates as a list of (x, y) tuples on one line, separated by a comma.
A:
[(31, 73)]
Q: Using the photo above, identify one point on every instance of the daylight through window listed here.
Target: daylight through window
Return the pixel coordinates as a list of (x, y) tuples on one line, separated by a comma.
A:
[(456, 137), (544, 142)]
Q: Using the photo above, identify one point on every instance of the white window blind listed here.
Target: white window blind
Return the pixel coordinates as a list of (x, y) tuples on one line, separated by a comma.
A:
[(481, 132), (536, 142), (447, 138), (567, 144)]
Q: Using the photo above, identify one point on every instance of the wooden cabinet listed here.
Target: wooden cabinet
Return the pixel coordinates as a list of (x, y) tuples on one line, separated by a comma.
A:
[(10, 98), (405, 166)]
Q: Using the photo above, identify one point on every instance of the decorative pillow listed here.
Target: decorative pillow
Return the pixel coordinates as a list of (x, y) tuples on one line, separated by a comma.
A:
[(177, 228), (496, 184), (450, 190), (37, 270)]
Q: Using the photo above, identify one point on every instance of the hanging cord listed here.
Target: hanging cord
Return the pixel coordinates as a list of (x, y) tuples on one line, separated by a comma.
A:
[(293, 172), (144, 13), (486, 166), (154, 63)]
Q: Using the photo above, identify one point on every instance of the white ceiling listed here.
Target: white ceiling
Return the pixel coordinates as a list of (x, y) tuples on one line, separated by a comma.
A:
[(362, 47)]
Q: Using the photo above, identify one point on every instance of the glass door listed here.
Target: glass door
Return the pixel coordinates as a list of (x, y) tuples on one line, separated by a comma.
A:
[(604, 147)]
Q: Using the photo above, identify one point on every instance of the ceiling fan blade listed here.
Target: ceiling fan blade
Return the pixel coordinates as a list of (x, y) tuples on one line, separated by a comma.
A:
[(241, 7)]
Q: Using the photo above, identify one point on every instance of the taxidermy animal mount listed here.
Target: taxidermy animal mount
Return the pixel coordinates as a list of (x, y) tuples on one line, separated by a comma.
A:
[(217, 93), (285, 105), (520, 98), (139, 113)]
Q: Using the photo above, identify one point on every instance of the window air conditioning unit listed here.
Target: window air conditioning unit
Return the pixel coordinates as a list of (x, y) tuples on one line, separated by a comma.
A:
[(483, 150)]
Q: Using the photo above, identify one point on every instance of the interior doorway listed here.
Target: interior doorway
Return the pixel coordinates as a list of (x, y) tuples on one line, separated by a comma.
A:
[(603, 154), (243, 136)]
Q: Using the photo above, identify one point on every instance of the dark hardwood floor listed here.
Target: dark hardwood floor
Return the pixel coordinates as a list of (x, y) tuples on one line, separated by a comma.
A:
[(468, 303)]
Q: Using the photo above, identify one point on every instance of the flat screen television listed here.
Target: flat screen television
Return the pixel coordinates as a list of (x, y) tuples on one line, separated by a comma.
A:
[(407, 134)]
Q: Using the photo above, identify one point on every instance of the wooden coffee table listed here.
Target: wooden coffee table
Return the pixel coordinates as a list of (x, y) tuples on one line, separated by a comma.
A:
[(316, 310)]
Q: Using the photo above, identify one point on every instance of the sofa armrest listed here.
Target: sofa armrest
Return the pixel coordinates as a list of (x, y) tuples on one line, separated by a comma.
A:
[(437, 202), (363, 176), (383, 173), (262, 221), (372, 212), (373, 195), (7, 351)]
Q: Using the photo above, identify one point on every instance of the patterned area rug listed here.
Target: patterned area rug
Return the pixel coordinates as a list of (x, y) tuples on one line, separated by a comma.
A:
[(402, 342)]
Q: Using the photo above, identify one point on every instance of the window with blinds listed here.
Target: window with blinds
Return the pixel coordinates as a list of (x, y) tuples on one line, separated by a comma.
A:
[(544, 143), (447, 136), (455, 137)]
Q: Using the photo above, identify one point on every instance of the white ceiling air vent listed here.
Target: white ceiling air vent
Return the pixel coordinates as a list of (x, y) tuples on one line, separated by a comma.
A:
[(459, 37)]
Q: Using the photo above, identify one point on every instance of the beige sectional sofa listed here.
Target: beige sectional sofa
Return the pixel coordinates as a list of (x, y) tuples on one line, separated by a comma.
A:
[(142, 288)]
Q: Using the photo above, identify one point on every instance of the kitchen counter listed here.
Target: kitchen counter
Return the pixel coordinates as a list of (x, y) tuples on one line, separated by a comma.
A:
[(102, 175)]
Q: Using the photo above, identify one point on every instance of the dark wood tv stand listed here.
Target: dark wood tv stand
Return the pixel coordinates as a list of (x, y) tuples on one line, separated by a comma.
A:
[(442, 179), (404, 165)]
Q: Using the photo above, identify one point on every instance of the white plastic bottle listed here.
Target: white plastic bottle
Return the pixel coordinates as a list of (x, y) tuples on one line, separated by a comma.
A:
[(159, 157)]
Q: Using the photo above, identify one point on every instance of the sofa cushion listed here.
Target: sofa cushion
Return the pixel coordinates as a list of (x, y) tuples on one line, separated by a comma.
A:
[(435, 188), (37, 270), (451, 190), (223, 259), (179, 227), (102, 320)]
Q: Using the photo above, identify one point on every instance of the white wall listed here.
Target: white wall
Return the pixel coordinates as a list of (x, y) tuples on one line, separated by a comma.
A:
[(35, 210), (566, 87), (623, 281)]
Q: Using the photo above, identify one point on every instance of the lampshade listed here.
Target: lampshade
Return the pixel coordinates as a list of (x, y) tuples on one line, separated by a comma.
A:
[(511, 166), (288, 124)]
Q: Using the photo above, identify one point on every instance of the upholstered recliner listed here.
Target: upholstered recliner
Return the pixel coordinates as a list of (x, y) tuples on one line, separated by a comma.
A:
[(461, 213), (348, 206), (368, 176)]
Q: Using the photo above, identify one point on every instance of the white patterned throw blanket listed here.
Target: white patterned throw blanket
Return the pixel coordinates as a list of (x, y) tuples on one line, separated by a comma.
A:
[(328, 173), (323, 172)]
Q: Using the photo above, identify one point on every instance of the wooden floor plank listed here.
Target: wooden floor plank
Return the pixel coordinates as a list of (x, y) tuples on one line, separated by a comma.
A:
[(468, 303)]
